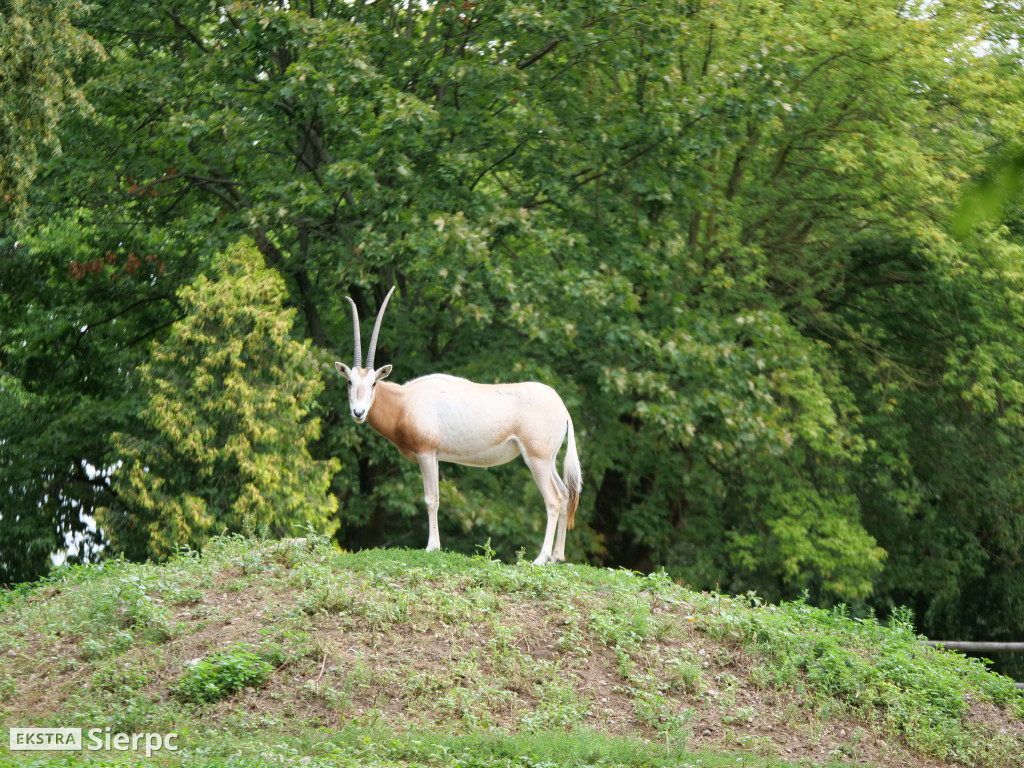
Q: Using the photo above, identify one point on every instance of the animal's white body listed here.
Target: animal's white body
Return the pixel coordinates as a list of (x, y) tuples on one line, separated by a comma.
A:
[(445, 418)]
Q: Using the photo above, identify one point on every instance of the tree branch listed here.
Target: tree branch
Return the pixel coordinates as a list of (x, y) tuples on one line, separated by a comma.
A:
[(90, 326), (539, 54), (181, 25)]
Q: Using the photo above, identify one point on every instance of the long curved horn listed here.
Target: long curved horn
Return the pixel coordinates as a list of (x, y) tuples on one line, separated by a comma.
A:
[(376, 330), (355, 327)]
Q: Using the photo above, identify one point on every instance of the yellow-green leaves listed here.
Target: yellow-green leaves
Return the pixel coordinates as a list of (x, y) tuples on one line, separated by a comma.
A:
[(228, 435), (38, 47)]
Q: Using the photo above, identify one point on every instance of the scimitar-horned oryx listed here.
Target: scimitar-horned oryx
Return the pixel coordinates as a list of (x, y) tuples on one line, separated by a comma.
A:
[(444, 418)]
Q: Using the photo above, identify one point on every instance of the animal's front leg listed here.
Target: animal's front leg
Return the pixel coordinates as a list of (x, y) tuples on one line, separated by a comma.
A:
[(431, 495), (547, 548)]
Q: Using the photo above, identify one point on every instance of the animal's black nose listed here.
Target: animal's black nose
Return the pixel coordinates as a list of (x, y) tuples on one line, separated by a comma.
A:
[(358, 412)]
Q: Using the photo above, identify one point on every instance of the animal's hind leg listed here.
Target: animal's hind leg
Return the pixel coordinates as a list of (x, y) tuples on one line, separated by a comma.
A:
[(558, 554), (554, 501)]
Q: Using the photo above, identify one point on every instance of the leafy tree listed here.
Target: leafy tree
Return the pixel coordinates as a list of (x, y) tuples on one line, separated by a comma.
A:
[(229, 395), (74, 324), (722, 232), (38, 47), (936, 377)]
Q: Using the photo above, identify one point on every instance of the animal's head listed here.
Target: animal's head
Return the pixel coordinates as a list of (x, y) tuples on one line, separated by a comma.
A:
[(362, 382)]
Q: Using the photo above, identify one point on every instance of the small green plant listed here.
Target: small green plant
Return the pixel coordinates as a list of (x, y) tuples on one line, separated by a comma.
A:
[(222, 674), (324, 600), (254, 560), (117, 677), (186, 595), (486, 553), (474, 707), (120, 612), (424, 685), (739, 716), (8, 688), (654, 709), (684, 674), (560, 707), (99, 647), (573, 640)]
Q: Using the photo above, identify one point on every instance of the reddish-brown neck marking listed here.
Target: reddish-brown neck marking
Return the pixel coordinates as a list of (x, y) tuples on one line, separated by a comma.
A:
[(387, 417)]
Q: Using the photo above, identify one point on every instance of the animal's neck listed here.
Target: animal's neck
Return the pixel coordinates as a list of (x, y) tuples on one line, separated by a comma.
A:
[(386, 409)]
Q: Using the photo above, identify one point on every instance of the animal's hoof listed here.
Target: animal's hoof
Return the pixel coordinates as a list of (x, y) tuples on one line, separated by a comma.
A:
[(542, 560)]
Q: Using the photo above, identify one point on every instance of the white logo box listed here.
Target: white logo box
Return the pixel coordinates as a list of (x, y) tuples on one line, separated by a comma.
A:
[(55, 739)]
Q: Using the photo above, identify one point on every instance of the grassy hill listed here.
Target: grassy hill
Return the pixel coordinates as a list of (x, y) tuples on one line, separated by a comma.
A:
[(288, 653)]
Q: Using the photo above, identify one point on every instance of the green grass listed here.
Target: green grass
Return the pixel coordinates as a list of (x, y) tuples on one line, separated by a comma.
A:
[(262, 653)]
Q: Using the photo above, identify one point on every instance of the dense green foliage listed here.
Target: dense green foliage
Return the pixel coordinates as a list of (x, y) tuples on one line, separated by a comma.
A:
[(69, 343), (38, 47), (227, 422), (222, 674), (723, 233)]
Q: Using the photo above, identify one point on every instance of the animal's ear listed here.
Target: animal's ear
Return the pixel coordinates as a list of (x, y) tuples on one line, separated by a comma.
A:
[(382, 372), (343, 369)]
